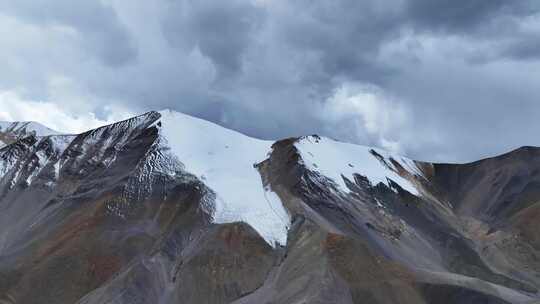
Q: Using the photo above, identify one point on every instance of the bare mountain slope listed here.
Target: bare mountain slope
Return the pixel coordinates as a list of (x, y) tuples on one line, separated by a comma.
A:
[(167, 208)]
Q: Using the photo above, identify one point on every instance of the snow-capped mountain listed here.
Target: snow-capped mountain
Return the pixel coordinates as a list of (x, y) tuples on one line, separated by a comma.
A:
[(11, 131), (168, 208), (224, 160)]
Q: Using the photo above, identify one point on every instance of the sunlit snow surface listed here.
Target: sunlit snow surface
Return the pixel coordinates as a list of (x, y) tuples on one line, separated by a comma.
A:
[(335, 159), (223, 159)]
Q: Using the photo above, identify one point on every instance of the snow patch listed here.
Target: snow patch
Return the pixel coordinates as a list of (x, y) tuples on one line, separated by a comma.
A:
[(26, 127), (22, 129), (336, 160), (224, 160)]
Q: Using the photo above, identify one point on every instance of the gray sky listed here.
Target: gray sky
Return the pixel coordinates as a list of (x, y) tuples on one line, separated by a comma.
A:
[(433, 79)]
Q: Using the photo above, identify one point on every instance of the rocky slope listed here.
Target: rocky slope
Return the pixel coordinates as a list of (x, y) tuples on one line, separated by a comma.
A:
[(167, 208), (12, 131)]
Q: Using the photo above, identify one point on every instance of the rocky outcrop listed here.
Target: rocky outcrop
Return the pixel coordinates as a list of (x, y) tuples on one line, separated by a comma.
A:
[(128, 213)]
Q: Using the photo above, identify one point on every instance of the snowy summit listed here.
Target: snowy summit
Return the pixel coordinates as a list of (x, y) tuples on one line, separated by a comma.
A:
[(224, 160)]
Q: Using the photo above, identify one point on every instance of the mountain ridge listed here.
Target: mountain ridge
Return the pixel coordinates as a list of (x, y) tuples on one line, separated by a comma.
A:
[(167, 208), (442, 162)]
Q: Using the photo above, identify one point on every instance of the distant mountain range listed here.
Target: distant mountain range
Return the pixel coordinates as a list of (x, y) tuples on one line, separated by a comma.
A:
[(12, 131), (168, 208)]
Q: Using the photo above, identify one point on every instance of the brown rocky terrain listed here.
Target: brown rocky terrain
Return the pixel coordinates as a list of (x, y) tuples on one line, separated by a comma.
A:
[(114, 216)]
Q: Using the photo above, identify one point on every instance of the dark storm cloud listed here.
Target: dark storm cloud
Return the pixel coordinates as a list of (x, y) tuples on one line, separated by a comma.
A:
[(222, 30), (496, 21), (435, 78), (346, 34), (526, 47), (460, 16), (100, 30)]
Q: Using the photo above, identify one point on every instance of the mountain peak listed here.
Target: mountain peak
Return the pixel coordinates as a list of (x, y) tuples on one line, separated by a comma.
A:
[(224, 160), (27, 126), (11, 131), (202, 208), (168, 208)]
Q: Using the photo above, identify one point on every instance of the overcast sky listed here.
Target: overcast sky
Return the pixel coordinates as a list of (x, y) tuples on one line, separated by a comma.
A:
[(438, 80)]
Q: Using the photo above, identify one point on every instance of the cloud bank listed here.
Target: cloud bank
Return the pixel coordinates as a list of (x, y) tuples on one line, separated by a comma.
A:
[(433, 79)]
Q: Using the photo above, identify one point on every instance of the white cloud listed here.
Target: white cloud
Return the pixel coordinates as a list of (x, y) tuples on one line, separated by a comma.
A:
[(465, 89), (363, 113), (15, 108)]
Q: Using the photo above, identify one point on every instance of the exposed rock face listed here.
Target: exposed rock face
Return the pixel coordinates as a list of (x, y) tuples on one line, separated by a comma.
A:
[(12, 131), (164, 208)]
